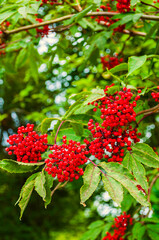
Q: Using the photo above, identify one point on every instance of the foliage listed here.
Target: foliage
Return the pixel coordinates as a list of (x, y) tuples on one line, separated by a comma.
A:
[(52, 74)]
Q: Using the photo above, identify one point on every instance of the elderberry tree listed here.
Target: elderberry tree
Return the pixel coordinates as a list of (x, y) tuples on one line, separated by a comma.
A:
[(97, 135)]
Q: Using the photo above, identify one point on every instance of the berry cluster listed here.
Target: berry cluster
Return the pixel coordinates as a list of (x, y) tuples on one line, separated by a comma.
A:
[(116, 131), (155, 95), (110, 62), (105, 20), (123, 6), (44, 30), (27, 145), (65, 160), (120, 227)]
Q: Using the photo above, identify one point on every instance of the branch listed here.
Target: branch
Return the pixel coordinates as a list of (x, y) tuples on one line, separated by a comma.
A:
[(58, 186), (150, 5), (96, 166), (151, 185), (149, 111), (24, 28)]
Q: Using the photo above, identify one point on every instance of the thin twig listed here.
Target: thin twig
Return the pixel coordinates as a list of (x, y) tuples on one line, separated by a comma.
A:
[(58, 130), (148, 4), (151, 185), (150, 110), (24, 28)]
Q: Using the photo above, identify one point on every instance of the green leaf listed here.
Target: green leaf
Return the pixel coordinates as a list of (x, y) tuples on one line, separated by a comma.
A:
[(113, 89), (119, 68), (145, 154), (4, 16), (123, 176), (134, 2), (78, 128), (32, 177), (23, 11), (96, 224), (21, 58), (153, 235), (114, 189), (69, 132), (138, 231), (48, 185), (91, 179), (18, 167), (45, 124), (92, 234), (40, 184), (95, 95), (139, 174), (135, 63), (25, 196), (106, 229), (127, 162)]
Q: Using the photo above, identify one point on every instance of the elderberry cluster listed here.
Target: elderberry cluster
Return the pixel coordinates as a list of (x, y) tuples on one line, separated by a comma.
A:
[(123, 6), (65, 160), (27, 145), (110, 62), (120, 227), (155, 95), (116, 133)]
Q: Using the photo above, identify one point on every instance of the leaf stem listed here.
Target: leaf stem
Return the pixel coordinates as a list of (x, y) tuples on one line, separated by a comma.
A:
[(97, 166), (58, 130), (151, 185)]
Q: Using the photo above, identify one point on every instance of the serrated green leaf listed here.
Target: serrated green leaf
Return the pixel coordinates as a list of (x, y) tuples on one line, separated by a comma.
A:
[(123, 176), (106, 229), (119, 68), (21, 58), (91, 179), (69, 132), (31, 178), (114, 189), (95, 95), (18, 167), (140, 174), (138, 231), (135, 63), (134, 2), (48, 185), (78, 128), (96, 224), (25, 196), (92, 234), (145, 154), (127, 162), (153, 235), (40, 184), (45, 124)]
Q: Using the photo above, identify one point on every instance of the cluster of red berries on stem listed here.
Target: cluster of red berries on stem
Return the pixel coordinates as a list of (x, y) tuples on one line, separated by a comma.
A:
[(155, 95), (27, 145), (65, 160), (110, 138), (110, 62), (120, 227)]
